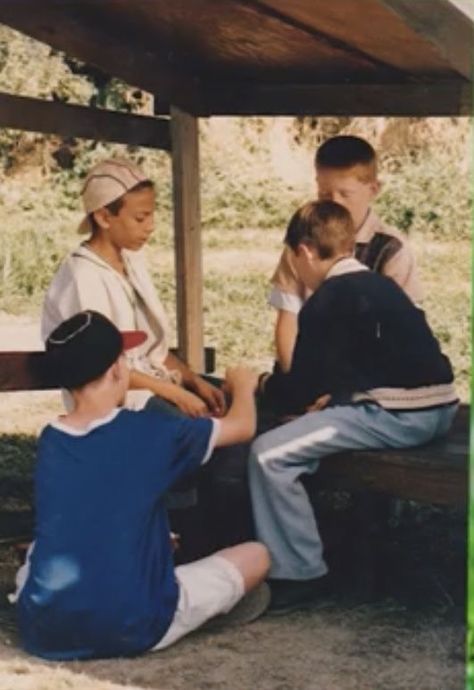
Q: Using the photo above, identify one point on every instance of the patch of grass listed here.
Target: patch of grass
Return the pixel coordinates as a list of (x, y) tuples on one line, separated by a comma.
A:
[(17, 453), (238, 321), (445, 272)]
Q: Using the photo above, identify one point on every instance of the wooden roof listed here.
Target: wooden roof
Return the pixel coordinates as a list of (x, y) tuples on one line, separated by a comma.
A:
[(270, 56)]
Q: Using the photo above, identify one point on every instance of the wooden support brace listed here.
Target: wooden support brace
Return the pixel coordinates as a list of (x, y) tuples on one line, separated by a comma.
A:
[(187, 228), (441, 98), (50, 117)]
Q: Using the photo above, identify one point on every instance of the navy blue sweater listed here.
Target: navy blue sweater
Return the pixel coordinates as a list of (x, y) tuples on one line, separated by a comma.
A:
[(358, 332)]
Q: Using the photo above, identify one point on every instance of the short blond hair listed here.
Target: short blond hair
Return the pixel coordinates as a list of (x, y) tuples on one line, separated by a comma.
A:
[(325, 225)]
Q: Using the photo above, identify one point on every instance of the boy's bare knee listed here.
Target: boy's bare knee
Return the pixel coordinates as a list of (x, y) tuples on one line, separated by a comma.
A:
[(261, 555), (251, 559)]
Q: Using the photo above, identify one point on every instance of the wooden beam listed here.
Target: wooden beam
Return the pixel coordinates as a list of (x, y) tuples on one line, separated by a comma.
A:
[(187, 229), (27, 371), (444, 24), (371, 28), (287, 15), (75, 28), (410, 99), (51, 117)]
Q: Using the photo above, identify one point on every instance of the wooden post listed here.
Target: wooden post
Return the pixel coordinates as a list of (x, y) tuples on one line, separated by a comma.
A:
[(187, 236)]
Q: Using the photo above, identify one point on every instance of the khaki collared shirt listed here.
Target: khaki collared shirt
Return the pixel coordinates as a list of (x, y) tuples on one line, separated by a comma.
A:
[(380, 247)]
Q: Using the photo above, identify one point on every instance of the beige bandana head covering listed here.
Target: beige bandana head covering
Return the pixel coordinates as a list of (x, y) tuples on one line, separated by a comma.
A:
[(106, 182)]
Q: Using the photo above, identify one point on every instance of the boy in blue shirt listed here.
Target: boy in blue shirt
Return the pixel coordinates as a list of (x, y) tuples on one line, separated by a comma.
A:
[(101, 580)]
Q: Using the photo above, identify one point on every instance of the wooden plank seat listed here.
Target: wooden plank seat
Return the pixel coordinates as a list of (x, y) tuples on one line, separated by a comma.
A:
[(432, 474), (435, 473)]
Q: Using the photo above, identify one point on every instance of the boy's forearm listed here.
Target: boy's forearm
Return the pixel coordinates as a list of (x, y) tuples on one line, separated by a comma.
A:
[(187, 375), (286, 329), (139, 381), (240, 422)]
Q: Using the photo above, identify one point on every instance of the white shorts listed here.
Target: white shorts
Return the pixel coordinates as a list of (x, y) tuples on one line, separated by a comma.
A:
[(207, 587)]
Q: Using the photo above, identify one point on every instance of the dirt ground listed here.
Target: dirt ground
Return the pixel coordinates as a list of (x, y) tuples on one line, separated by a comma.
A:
[(385, 644), (406, 634), (338, 648)]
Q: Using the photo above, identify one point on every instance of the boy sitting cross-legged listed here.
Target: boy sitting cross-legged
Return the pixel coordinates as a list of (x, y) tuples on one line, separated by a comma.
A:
[(100, 576), (366, 354)]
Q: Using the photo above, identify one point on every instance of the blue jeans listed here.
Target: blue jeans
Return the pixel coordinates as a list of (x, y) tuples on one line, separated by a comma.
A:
[(284, 518)]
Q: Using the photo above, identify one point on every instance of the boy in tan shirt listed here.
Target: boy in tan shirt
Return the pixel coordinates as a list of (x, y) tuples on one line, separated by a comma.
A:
[(346, 172)]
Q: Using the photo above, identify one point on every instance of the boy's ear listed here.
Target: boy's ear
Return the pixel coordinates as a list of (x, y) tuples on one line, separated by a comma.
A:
[(121, 367), (306, 251), (375, 187), (101, 217), (115, 371)]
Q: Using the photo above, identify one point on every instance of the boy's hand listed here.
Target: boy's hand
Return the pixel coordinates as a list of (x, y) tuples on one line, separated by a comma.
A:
[(239, 423), (212, 396), (240, 377), (188, 403), (319, 404), (175, 540)]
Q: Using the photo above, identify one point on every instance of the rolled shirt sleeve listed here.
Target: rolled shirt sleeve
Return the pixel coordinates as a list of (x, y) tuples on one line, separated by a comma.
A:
[(288, 291)]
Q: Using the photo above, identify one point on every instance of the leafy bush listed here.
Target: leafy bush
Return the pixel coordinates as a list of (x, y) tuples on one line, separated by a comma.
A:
[(429, 193)]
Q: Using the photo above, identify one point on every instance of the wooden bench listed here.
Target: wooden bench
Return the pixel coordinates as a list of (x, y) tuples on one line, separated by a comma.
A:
[(432, 474), (436, 473)]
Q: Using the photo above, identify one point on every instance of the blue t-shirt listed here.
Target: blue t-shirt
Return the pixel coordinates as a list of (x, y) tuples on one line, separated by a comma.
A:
[(101, 580)]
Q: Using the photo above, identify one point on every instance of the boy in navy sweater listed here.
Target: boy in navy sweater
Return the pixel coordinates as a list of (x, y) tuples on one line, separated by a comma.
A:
[(365, 353), (100, 576)]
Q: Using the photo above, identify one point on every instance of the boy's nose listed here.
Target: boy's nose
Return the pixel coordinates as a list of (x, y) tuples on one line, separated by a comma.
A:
[(325, 195)]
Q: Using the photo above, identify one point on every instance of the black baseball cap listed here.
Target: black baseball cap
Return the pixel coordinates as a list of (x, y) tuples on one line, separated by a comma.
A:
[(84, 346)]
